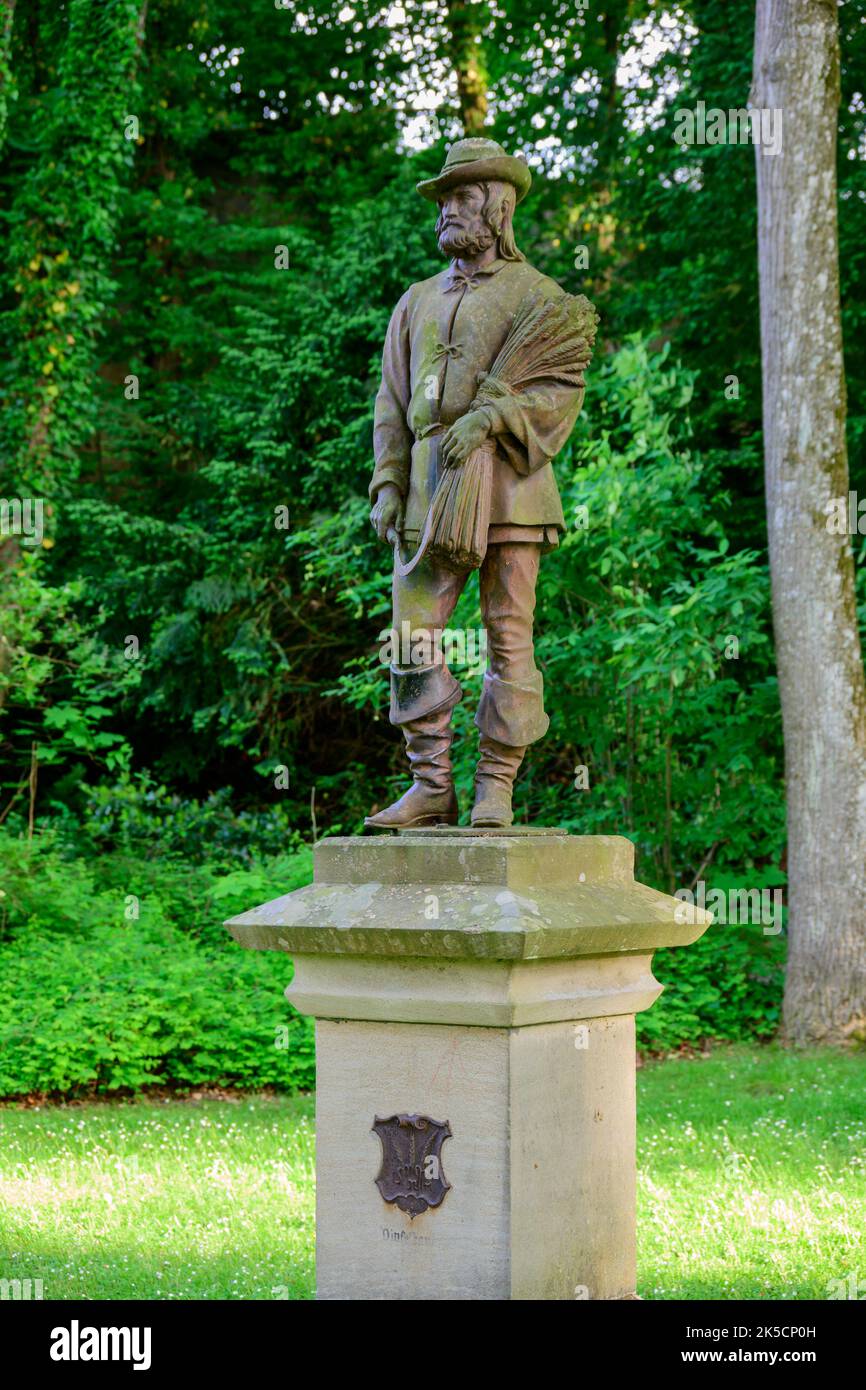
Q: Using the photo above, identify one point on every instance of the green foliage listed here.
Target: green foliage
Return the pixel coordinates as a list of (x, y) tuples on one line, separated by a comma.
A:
[(63, 227), (141, 820), (118, 973), (120, 976), (726, 985), (59, 683), (659, 675), (8, 86)]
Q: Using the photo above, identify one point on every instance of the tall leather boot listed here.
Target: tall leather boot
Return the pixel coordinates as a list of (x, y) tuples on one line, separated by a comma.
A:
[(431, 799), (494, 780)]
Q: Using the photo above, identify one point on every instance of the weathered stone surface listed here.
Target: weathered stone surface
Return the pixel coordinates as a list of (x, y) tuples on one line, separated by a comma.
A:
[(541, 1162), (489, 982), (495, 898), (486, 993)]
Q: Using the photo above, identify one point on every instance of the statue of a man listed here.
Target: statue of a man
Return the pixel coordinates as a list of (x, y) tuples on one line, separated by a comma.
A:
[(444, 333)]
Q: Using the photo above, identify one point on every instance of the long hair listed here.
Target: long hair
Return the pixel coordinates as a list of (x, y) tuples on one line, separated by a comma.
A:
[(500, 201)]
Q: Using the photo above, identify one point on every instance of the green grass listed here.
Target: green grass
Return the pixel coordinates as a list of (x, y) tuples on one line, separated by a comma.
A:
[(752, 1174), (172, 1199), (752, 1185)]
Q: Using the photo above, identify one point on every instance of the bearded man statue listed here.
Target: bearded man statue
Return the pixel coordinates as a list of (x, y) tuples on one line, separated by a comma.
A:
[(442, 339)]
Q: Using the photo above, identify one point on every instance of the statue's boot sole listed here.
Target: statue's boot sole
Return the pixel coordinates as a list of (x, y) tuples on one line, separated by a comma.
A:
[(373, 823), (416, 808)]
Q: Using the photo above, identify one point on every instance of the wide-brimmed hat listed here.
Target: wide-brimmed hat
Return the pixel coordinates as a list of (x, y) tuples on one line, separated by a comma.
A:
[(474, 161)]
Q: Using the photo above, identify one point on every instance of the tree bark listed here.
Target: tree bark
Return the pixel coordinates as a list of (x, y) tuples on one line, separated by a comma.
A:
[(465, 22), (818, 653)]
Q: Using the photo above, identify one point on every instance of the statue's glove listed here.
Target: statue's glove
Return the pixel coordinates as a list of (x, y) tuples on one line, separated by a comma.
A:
[(387, 512), (463, 437)]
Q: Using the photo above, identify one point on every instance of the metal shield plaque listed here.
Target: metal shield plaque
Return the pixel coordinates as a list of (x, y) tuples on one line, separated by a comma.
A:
[(411, 1174)]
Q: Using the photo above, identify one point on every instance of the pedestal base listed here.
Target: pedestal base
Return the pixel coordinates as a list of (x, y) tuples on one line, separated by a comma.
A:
[(540, 1161), (475, 999)]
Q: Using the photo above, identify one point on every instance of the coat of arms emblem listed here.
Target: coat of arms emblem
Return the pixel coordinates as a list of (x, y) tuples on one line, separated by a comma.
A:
[(411, 1174)]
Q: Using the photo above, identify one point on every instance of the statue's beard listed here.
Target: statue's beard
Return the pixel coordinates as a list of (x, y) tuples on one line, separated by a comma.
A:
[(466, 241)]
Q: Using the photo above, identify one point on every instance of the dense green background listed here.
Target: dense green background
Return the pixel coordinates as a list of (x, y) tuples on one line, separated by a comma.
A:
[(154, 256)]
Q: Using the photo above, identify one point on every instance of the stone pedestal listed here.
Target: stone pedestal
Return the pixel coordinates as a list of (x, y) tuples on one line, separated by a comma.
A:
[(475, 996)]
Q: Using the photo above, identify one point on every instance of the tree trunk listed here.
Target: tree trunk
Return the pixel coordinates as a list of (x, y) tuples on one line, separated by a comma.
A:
[(819, 660), (465, 22)]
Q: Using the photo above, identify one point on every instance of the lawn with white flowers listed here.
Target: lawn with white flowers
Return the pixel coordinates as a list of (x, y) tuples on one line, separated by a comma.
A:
[(752, 1175), (160, 1199), (752, 1184)]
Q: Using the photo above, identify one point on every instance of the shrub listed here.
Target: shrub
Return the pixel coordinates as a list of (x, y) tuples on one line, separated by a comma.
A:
[(96, 998)]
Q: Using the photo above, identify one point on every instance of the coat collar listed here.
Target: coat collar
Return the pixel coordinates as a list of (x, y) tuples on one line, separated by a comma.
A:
[(454, 279)]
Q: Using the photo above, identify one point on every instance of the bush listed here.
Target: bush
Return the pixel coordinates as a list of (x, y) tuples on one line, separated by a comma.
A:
[(727, 985), (96, 998), (145, 819)]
